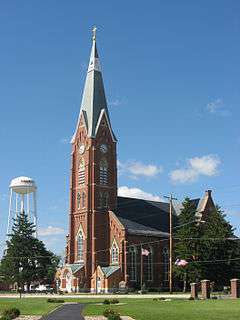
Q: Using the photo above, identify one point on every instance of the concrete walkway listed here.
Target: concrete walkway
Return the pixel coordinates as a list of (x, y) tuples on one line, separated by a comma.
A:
[(101, 296), (70, 311)]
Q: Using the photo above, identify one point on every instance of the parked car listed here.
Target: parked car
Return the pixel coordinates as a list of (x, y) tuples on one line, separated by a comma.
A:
[(44, 288)]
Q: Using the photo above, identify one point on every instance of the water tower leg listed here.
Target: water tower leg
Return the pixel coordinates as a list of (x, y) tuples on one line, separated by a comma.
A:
[(35, 212), (22, 203), (9, 213), (16, 210), (28, 206)]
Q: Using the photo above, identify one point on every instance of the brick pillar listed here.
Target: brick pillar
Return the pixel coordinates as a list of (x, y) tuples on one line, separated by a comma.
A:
[(194, 290), (235, 288), (205, 286)]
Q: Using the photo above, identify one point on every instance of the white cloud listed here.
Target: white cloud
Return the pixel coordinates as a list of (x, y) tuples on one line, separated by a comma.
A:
[(50, 231), (217, 107), (196, 167), (125, 191), (65, 140), (138, 169), (115, 103)]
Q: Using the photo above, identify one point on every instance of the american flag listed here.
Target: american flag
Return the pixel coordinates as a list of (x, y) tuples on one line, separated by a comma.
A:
[(181, 263), (145, 252)]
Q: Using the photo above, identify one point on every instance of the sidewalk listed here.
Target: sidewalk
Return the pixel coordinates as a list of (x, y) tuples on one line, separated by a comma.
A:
[(101, 296)]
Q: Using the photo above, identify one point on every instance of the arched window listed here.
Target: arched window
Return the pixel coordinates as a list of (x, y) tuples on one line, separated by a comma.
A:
[(104, 199), (150, 264), (133, 263), (165, 264), (80, 246), (103, 172), (81, 172), (78, 200), (83, 199), (114, 253)]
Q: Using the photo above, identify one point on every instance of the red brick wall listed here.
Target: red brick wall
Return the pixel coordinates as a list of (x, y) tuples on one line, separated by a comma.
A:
[(92, 218), (157, 245)]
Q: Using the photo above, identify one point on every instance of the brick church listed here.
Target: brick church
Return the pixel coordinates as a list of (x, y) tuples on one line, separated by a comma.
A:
[(107, 233)]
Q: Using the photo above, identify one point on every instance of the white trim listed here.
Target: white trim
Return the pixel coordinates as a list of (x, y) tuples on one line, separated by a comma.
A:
[(103, 111), (78, 122)]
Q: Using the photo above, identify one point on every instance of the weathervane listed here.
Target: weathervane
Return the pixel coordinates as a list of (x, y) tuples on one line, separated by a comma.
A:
[(94, 31)]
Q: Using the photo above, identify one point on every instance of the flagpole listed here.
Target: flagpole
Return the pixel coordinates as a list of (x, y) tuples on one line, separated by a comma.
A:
[(141, 269)]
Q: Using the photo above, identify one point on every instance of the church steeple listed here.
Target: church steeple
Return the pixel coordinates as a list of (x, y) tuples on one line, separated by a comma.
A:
[(94, 101)]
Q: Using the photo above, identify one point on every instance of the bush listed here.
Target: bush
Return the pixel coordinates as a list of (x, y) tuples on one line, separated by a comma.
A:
[(11, 313), (5, 318), (115, 316), (110, 314), (106, 301), (114, 301)]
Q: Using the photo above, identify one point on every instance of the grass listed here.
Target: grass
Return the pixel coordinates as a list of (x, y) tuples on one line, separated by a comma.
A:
[(173, 310), (139, 309), (28, 306)]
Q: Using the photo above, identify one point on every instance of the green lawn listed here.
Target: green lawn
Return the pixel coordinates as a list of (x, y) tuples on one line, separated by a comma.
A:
[(148, 309), (139, 309), (28, 306)]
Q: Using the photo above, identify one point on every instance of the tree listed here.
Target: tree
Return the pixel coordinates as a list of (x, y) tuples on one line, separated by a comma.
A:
[(185, 247), (209, 248), (26, 259), (221, 248)]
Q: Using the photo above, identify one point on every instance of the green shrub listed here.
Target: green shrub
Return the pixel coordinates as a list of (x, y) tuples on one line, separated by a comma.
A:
[(110, 314), (52, 300), (114, 301), (11, 313), (115, 316), (106, 301), (5, 318)]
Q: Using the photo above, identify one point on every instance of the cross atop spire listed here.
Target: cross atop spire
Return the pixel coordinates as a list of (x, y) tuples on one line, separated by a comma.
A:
[(94, 32)]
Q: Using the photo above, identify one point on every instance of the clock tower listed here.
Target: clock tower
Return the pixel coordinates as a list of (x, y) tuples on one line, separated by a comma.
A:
[(93, 183)]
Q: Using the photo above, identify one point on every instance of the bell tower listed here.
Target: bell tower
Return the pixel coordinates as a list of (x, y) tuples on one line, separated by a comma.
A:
[(93, 183)]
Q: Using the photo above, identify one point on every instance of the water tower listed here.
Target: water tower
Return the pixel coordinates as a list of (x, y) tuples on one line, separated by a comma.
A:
[(22, 198)]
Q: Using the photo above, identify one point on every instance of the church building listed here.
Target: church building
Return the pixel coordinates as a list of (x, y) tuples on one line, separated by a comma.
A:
[(113, 241)]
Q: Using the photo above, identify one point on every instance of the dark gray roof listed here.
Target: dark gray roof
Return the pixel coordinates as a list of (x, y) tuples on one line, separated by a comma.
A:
[(139, 229), (147, 215)]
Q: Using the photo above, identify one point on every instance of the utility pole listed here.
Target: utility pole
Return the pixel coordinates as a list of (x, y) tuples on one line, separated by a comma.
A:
[(170, 198), (141, 269)]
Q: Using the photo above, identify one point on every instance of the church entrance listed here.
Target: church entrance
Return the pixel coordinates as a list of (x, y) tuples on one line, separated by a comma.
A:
[(99, 285), (68, 283)]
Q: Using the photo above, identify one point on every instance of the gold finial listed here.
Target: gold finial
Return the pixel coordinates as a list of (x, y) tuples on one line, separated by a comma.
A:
[(94, 31)]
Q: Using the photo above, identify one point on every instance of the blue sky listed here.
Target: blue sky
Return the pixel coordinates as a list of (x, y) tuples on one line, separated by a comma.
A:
[(172, 78)]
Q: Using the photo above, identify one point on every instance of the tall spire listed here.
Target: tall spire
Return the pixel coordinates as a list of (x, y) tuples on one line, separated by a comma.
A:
[(93, 99)]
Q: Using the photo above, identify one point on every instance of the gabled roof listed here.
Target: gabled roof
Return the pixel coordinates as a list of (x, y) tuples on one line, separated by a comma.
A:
[(108, 271), (148, 217), (93, 99), (75, 267), (151, 214)]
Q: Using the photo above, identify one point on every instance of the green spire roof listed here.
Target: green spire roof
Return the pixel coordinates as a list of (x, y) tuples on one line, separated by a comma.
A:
[(94, 100)]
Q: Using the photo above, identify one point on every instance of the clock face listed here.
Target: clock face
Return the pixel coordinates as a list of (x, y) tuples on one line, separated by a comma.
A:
[(103, 148), (81, 149)]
